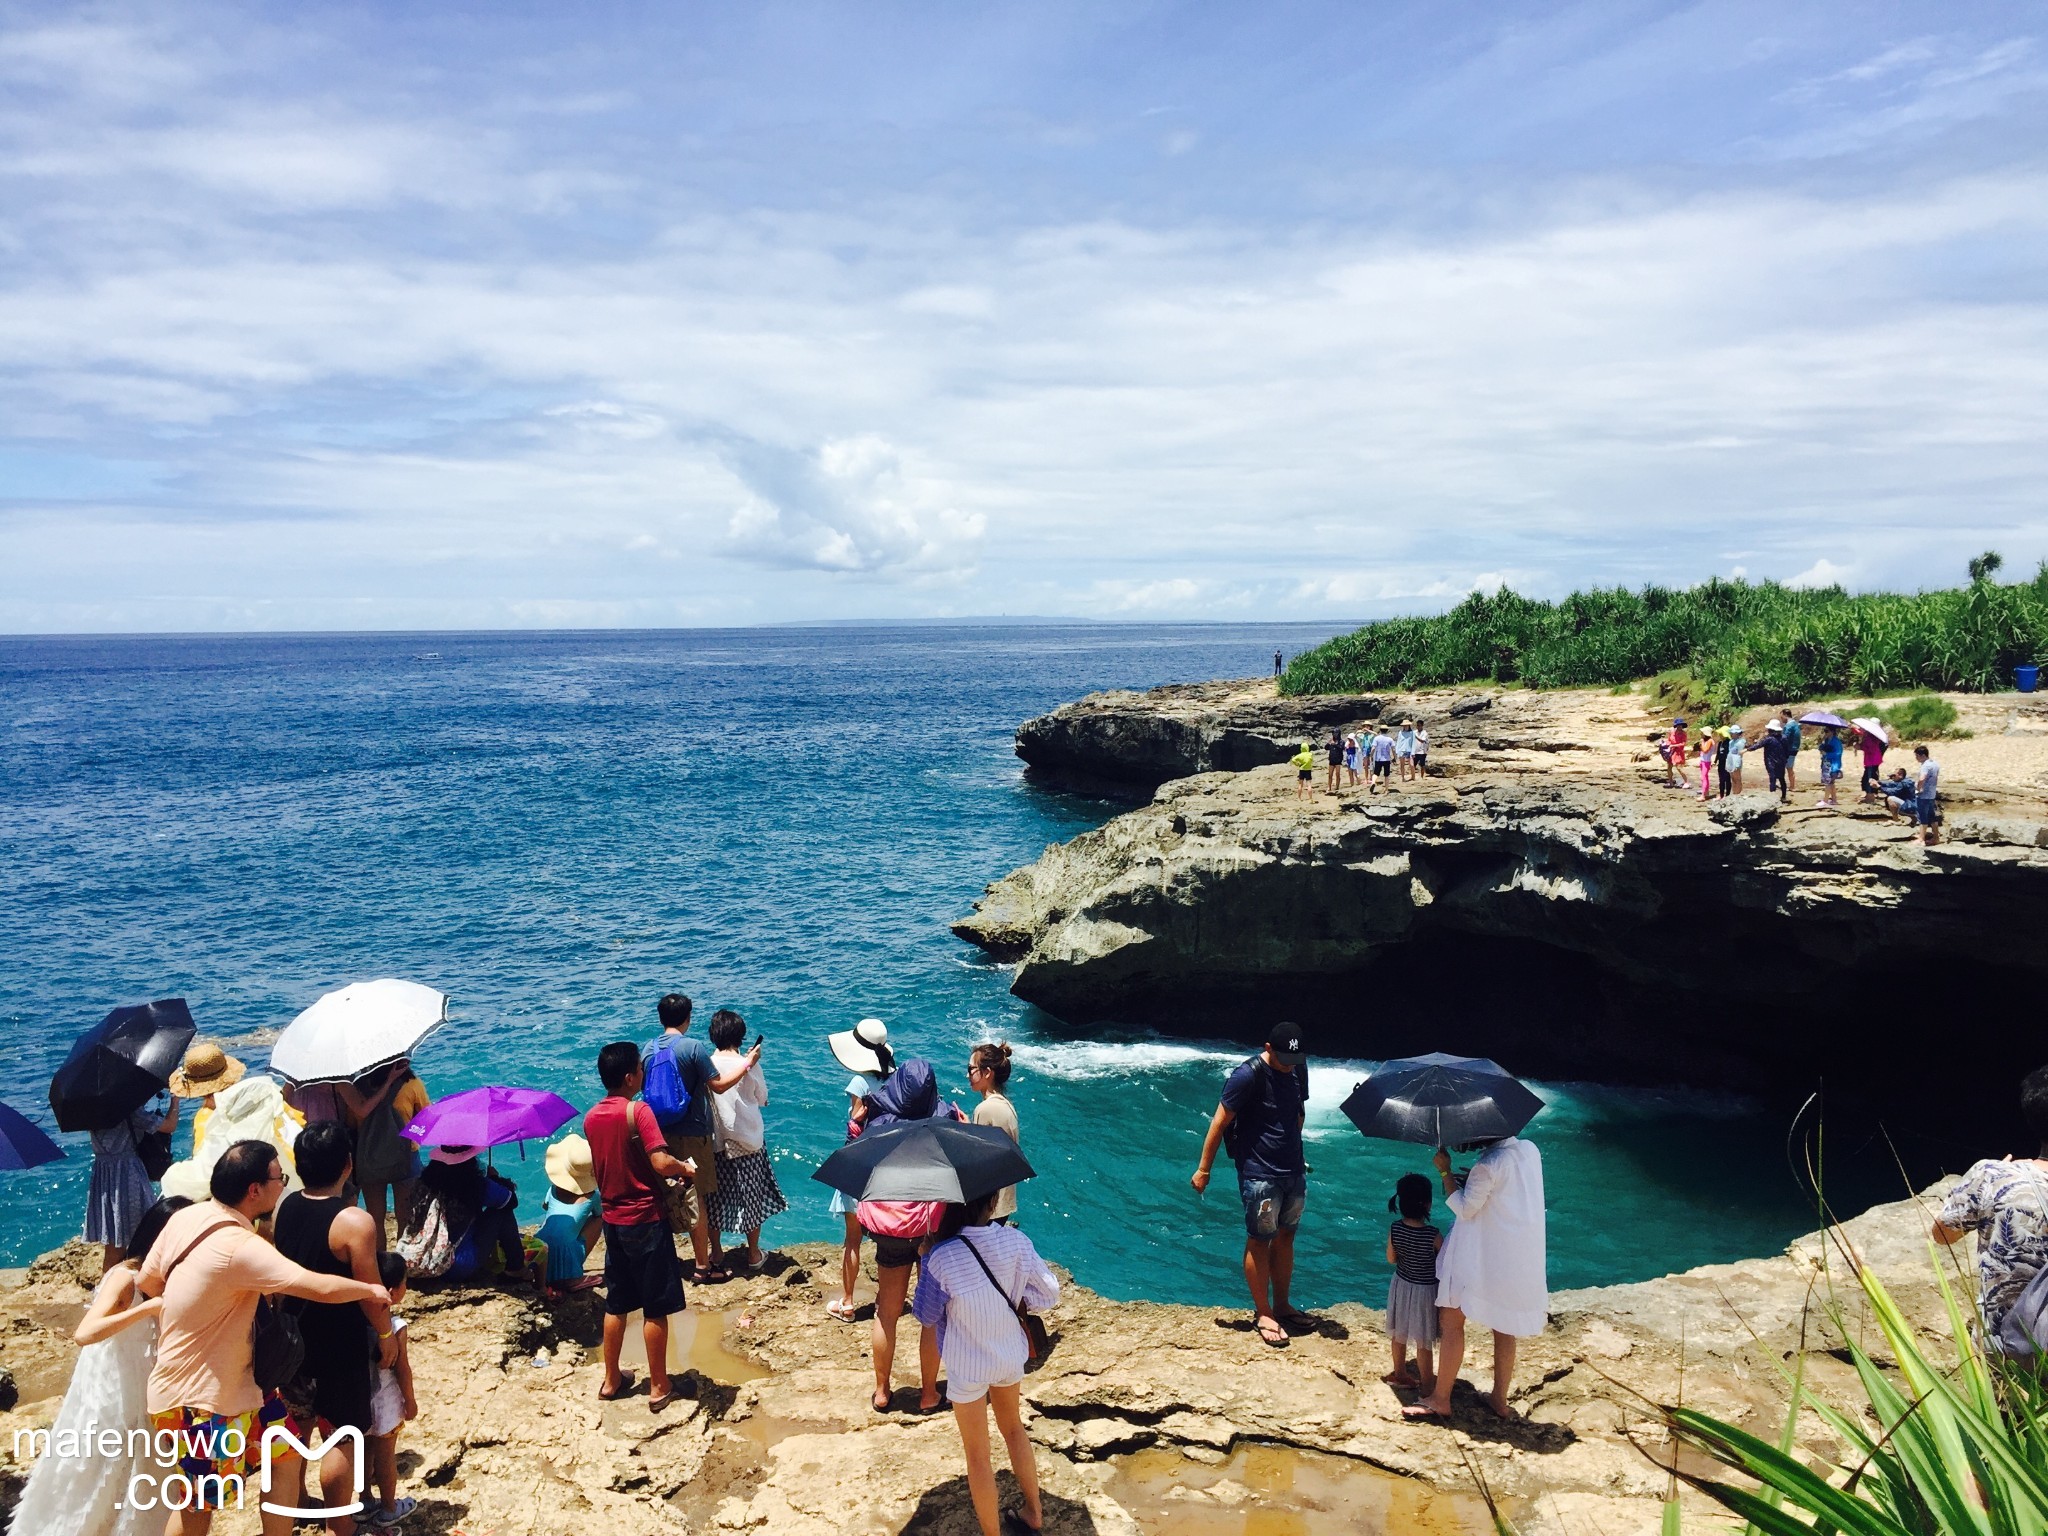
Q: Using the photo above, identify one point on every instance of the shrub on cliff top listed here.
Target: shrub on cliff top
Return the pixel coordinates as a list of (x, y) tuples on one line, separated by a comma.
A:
[(1740, 643)]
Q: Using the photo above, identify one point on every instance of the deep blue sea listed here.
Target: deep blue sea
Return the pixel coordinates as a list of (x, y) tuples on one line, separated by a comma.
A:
[(557, 828)]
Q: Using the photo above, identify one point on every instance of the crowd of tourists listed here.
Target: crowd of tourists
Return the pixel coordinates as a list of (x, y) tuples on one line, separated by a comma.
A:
[(1378, 757), (269, 1296), (1717, 755)]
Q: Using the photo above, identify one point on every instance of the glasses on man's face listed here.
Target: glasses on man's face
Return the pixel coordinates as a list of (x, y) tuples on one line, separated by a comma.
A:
[(276, 1176)]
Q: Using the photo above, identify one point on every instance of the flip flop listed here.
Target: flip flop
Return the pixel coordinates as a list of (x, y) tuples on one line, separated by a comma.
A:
[(939, 1407), (1013, 1520), (1266, 1338), (625, 1386), (883, 1406), (1296, 1320), (656, 1404), (1416, 1413)]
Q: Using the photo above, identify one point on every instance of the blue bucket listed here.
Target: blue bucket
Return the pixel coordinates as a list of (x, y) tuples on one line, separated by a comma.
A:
[(2026, 677)]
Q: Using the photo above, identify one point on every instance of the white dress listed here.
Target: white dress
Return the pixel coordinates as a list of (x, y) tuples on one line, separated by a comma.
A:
[(80, 1495), (1492, 1266)]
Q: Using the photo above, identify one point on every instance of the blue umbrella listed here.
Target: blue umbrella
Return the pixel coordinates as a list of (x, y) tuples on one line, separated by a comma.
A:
[(22, 1142)]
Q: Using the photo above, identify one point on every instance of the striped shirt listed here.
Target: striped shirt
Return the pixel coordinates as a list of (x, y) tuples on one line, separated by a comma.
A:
[(1414, 1252), (980, 1339)]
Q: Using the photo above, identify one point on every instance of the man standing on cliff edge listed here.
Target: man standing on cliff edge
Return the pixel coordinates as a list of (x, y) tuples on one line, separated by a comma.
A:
[(1265, 1100)]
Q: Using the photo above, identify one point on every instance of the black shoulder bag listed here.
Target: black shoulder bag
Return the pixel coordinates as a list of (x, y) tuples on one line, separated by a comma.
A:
[(1037, 1340)]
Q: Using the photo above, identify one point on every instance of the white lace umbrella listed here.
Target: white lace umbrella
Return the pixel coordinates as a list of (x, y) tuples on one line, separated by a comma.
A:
[(356, 1030)]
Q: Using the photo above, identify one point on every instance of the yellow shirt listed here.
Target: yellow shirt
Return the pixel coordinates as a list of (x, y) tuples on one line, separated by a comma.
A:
[(1304, 759)]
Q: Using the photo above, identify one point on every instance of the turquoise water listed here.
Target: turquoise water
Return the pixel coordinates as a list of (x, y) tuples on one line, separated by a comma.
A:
[(557, 828)]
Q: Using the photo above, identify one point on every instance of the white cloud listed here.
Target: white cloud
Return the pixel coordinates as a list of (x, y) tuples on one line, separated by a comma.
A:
[(852, 505), (1822, 573), (330, 318)]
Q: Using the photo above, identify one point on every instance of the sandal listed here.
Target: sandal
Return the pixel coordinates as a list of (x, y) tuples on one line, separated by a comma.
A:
[(1277, 1338), (1422, 1413), (656, 1404), (1013, 1520), (390, 1514), (625, 1385), (883, 1405), (843, 1310)]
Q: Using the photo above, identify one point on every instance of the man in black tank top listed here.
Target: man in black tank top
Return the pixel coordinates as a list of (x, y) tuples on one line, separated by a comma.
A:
[(319, 1229)]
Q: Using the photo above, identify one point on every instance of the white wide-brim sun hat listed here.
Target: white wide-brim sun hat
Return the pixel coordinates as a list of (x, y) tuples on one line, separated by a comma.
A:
[(856, 1047)]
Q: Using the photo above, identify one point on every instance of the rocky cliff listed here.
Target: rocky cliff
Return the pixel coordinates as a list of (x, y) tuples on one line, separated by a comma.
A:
[(1147, 1418), (1122, 743), (1561, 909)]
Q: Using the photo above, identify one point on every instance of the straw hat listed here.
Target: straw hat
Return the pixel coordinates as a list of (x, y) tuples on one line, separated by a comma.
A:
[(207, 1069), (856, 1047), (569, 1165)]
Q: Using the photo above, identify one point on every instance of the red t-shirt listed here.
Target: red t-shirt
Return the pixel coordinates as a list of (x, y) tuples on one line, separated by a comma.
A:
[(618, 1151)]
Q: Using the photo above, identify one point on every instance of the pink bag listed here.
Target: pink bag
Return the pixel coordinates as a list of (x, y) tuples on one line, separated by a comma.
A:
[(909, 1219)]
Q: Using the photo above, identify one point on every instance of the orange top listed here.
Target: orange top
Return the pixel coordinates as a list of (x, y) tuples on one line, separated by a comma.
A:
[(203, 1334)]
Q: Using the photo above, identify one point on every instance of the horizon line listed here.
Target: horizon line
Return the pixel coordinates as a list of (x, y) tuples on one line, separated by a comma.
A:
[(971, 621)]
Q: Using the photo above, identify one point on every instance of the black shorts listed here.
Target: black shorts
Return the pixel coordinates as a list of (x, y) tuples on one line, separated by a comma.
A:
[(894, 1252), (334, 1375), (1382, 767), (1306, 774), (640, 1270)]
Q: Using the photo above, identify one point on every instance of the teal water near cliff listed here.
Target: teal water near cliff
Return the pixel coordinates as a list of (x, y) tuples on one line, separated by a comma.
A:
[(556, 828)]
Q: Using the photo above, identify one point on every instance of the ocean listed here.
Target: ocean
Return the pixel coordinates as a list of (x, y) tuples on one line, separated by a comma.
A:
[(557, 828)]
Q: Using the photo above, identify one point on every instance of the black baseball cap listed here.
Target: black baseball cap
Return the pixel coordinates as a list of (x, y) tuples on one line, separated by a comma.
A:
[(1287, 1045)]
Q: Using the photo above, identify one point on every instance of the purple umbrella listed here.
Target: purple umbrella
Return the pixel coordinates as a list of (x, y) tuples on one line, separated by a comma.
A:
[(490, 1117), (1822, 717)]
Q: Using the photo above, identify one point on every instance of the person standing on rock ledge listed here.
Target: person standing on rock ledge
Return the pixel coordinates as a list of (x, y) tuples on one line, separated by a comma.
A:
[(1304, 763), (1259, 1122), (1492, 1268)]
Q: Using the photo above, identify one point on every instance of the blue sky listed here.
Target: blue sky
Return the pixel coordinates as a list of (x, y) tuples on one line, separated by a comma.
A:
[(401, 316)]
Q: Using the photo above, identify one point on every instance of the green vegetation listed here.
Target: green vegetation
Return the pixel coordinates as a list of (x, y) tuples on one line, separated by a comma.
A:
[(1957, 1450), (1923, 717), (1726, 644)]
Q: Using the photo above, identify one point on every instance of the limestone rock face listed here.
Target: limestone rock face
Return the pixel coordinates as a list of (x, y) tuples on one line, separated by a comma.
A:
[(1121, 742), (1571, 924)]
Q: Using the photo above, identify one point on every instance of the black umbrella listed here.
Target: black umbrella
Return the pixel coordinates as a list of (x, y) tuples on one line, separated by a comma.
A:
[(120, 1064), (1441, 1101), (925, 1160)]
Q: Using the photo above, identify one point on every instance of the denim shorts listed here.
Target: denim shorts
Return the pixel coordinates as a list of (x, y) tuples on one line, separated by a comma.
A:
[(1271, 1205), (1924, 811)]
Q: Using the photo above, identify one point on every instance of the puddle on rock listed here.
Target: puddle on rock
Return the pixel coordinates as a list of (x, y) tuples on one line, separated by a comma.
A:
[(696, 1342), (1271, 1490)]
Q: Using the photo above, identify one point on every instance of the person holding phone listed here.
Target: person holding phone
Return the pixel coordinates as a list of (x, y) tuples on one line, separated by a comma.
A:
[(746, 1194)]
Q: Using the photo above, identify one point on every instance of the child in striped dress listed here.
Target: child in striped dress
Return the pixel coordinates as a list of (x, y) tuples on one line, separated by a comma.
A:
[(1412, 1244)]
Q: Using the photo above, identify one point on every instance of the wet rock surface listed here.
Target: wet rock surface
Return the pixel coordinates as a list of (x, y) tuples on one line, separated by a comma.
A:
[(774, 1433)]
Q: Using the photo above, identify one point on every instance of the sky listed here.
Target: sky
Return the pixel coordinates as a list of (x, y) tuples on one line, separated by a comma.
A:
[(467, 316)]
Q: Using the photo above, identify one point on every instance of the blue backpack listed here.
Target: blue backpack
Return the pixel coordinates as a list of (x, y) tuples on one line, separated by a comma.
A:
[(663, 1090)]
